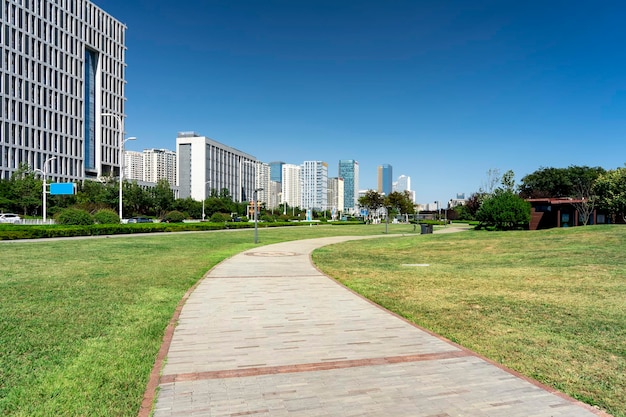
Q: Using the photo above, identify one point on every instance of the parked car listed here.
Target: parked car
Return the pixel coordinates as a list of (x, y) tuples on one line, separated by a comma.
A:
[(139, 220), (10, 218)]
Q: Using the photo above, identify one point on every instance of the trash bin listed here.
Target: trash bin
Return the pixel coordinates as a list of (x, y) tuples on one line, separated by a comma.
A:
[(426, 228)]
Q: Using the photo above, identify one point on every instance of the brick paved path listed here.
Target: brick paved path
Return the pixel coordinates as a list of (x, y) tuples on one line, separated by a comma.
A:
[(267, 334)]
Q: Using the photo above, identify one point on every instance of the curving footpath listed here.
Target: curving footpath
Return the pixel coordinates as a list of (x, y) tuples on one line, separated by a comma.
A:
[(267, 334)]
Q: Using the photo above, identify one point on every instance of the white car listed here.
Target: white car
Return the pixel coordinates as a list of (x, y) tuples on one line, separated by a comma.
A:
[(10, 218)]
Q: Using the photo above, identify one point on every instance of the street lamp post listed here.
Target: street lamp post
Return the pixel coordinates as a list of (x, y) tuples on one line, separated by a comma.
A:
[(44, 173), (121, 141), (256, 217)]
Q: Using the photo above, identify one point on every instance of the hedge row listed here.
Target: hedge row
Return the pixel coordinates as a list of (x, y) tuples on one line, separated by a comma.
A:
[(13, 232)]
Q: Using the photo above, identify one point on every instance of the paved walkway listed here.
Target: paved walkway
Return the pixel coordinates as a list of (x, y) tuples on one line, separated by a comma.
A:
[(266, 334)]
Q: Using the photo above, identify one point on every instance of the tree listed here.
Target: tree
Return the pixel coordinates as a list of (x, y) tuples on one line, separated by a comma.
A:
[(137, 199), (504, 210), (26, 190), (473, 204), (610, 189), (163, 197), (559, 182), (401, 201), (372, 201)]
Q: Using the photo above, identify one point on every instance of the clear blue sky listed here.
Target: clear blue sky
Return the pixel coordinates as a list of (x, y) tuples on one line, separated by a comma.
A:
[(442, 90)]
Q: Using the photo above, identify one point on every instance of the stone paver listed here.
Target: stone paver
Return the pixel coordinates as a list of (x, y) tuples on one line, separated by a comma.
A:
[(267, 334)]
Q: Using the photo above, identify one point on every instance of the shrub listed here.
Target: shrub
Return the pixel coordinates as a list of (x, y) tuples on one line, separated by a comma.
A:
[(504, 211), (219, 218), (73, 216), (174, 217), (106, 216)]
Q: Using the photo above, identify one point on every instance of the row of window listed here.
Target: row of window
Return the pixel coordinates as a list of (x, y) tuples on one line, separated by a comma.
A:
[(64, 120), (63, 166), (61, 14)]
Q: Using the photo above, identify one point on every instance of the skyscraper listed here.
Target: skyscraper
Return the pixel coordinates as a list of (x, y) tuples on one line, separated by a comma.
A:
[(349, 171), (385, 175), (314, 175), (62, 69)]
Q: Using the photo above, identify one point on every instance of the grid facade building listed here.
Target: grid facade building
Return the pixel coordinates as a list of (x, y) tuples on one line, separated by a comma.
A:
[(262, 182), (314, 180), (133, 166), (63, 65), (204, 164), (159, 164)]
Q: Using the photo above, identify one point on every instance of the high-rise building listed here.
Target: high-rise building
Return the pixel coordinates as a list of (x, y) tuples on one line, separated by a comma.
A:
[(291, 187), (385, 179), (62, 69), (349, 171), (314, 175), (404, 184), (276, 171), (159, 164), (262, 183), (133, 166), (204, 164), (335, 195)]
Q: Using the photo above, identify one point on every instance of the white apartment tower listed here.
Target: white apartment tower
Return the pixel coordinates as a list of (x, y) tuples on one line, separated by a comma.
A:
[(159, 164), (133, 166), (62, 68), (335, 195), (314, 180), (291, 187), (263, 184), (204, 164)]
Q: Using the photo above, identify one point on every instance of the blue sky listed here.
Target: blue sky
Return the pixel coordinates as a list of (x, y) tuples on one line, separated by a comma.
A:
[(444, 91)]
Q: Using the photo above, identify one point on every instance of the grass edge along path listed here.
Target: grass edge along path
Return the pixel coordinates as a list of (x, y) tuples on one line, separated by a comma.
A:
[(82, 320), (550, 305)]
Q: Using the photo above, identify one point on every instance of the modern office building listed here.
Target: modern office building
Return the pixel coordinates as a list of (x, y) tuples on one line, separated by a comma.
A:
[(335, 196), (291, 185), (276, 171), (385, 179), (314, 175), (349, 171), (204, 164), (62, 66)]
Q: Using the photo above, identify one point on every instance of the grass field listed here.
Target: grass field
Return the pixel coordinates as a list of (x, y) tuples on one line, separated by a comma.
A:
[(549, 304), (81, 320)]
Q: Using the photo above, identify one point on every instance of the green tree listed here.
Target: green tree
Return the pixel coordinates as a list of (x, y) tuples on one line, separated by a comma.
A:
[(372, 201), (26, 190), (137, 199), (504, 210), (610, 189), (163, 198), (559, 182), (400, 202)]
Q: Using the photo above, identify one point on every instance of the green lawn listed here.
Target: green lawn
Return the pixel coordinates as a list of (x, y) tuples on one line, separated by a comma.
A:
[(549, 304), (81, 320)]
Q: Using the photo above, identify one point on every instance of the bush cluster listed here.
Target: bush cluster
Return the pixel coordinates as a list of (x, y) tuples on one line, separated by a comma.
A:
[(72, 216)]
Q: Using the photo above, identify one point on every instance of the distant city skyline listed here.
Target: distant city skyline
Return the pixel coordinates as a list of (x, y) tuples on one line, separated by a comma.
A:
[(442, 91)]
